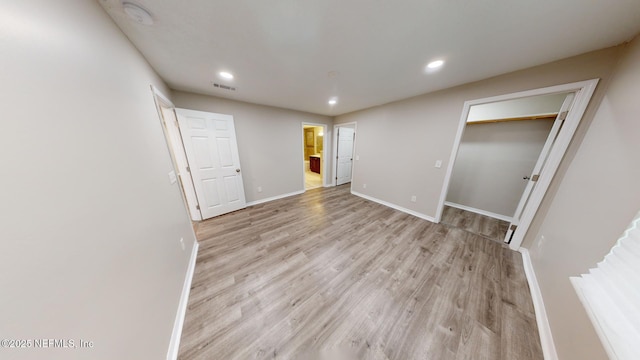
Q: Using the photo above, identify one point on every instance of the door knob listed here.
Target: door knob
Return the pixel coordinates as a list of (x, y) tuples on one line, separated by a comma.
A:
[(237, 170), (526, 178)]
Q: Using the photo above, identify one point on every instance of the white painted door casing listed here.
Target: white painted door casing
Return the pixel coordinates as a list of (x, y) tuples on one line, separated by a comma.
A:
[(210, 144), (539, 167), (167, 114), (583, 90)]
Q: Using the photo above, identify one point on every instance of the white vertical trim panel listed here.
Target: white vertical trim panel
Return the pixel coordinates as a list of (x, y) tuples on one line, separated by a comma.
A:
[(174, 343), (544, 329)]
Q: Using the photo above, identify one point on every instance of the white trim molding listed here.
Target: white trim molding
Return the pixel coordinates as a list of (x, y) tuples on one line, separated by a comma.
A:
[(277, 197), (479, 211), (546, 338), (174, 343), (394, 206)]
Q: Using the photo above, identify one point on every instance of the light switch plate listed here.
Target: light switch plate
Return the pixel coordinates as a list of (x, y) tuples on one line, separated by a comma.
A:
[(438, 164), (172, 177)]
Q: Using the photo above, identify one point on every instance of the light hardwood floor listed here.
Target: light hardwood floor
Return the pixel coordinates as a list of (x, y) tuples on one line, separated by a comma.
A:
[(328, 271), (485, 226)]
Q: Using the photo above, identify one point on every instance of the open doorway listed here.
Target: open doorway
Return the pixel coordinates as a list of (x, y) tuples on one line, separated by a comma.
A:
[(204, 152), (313, 146), (167, 115), (575, 98), (500, 146)]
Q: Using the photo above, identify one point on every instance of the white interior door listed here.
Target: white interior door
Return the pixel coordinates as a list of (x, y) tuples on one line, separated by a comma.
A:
[(212, 151), (539, 167), (344, 163)]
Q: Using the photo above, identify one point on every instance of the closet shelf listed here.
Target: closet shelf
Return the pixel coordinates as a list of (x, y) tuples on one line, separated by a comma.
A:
[(550, 116)]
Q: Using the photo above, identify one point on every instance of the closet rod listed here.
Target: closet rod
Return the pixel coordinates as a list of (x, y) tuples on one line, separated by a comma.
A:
[(521, 118)]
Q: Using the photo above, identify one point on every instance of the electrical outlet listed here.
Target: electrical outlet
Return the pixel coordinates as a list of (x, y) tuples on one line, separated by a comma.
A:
[(364, 186), (413, 198), (541, 242), (182, 243), (259, 189)]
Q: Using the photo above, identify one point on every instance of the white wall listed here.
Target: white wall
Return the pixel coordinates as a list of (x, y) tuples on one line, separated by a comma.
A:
[(597, 198), (399, 143), (90, 224), (492, 160), (269, 142)]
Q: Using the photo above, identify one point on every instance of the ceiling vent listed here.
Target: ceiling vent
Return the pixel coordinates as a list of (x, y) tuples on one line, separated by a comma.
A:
[(224, 87)]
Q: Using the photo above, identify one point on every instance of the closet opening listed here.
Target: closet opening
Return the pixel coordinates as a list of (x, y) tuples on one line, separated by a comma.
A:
[(506, 152)]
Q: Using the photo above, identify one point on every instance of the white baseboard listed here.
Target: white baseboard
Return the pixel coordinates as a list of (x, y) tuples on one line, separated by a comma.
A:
[(394, 206), (261, 201), (546, 338), (479, 211), (174, 344)]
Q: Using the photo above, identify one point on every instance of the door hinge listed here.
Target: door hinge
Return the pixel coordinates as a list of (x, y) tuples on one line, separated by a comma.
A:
[(535, 177), (513, 227), (563, 115), (198, 207), (188, 169)]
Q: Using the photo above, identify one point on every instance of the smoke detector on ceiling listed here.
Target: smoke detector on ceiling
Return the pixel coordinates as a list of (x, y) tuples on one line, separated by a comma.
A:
[(137, 14)]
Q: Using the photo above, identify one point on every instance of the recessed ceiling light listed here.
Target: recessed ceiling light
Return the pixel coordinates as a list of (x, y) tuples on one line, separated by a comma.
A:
[(226, 75), (333, 101), (435, 64), (137, 14)]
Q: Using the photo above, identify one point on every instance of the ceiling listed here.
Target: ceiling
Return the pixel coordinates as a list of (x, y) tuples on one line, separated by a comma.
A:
[(297, 54)]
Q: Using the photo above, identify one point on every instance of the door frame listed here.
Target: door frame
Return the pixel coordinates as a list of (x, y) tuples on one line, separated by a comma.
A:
[(540, 164), (334, 169), (584, 91), (173, 139), (324, 152)]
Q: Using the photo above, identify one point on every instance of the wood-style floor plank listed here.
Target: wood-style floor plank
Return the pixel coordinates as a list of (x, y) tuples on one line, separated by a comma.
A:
[(485, 226), (333, 274)]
